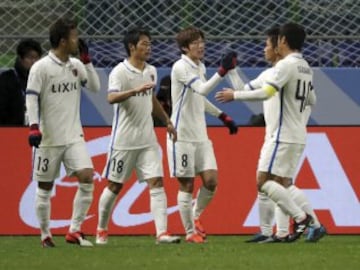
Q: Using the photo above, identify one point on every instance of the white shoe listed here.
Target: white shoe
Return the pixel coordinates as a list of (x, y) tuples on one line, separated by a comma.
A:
[(166, 238), (101, 237), (78, 238)]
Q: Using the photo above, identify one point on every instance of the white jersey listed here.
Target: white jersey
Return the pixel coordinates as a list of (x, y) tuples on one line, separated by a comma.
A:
[(271, 106), (293, 78), (58, 85), (132, 126), (188, 113)]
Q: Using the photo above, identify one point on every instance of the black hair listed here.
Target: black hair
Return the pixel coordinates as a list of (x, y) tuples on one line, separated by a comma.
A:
[(61, 30), (294, 34), (27, 45), (273, 34), (132, 36)]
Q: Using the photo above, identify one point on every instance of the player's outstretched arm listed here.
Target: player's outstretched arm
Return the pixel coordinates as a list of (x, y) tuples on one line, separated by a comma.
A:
[(227, 62)]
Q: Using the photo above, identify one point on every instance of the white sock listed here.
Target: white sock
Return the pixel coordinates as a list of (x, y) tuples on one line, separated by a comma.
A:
[(266, 214), (42, 208), (282, 222), (81, 205), (204, 197), (105, 207), (302, 201), (282, 198), (184, 202), (158, 205)]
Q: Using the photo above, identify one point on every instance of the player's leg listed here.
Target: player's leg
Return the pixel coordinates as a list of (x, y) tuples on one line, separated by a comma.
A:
[(181, 164), (78, 163), (149, 167), (206, 167), (279, 160), (118, 168), (46, 167), (266, 218)]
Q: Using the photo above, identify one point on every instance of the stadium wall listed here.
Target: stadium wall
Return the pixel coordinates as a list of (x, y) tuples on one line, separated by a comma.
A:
[(337, 90), (328, 173)]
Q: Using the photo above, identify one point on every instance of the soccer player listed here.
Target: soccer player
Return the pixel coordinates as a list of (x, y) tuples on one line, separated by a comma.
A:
[(133, 144), (53, 102), (193, 152), (291, 80)]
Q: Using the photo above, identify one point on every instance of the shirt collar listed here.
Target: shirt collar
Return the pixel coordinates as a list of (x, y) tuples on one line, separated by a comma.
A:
[(133, 69), (57, 60), (188, 60)]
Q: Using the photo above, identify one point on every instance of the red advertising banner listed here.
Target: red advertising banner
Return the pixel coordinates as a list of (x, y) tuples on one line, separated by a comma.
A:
[(328, 174)]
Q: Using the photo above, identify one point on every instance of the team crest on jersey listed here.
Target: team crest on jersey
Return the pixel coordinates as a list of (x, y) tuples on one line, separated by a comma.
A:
[(75, 72)]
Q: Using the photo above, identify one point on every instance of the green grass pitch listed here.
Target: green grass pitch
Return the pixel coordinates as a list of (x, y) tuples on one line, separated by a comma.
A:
[(220, 252)]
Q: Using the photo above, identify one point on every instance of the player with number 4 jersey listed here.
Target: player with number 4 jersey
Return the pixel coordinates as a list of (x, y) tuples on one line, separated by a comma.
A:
[(291, 80)]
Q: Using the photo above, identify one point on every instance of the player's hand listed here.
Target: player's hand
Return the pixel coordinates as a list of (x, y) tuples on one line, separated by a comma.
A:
[(84, 52), (172, 131), (225, 95), (145, 87), (229, 122), (34, 135), (228, 61)]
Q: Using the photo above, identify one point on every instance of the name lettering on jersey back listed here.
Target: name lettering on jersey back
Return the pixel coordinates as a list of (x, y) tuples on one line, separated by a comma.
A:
[(64, 87), (305, 70)]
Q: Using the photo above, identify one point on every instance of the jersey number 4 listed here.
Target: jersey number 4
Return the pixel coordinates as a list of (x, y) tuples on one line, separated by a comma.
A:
[(303, 89)]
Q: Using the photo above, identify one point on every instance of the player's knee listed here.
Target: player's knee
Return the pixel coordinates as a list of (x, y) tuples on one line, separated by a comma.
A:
[(114, 187), (211, 184), (85, 175)]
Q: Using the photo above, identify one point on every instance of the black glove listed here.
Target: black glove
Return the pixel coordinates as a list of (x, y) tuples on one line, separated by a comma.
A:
[(228, 61), (229, 122), (84, 52), (34, 135)]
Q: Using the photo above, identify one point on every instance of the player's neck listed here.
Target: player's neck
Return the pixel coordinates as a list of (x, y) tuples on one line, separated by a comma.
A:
[(61, 55), (139, 64)]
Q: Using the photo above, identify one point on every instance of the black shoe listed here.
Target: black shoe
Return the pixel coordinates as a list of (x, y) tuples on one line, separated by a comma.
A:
[(315, 234), (276, 239), (299, 228), (47, 243), (257, 238)]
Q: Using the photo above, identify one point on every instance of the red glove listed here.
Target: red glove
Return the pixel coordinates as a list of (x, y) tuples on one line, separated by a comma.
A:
[(84, 52), (228, 61), (229, 122), (34, 135)]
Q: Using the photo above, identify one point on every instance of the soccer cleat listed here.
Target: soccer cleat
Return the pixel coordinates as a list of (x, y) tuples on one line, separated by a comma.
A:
[(315, 234), (166, 238), (47, 242), (275, 239), (299, 228), (78, 238), (199, 228), (195, 238), (101, 237), (258, 238)]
